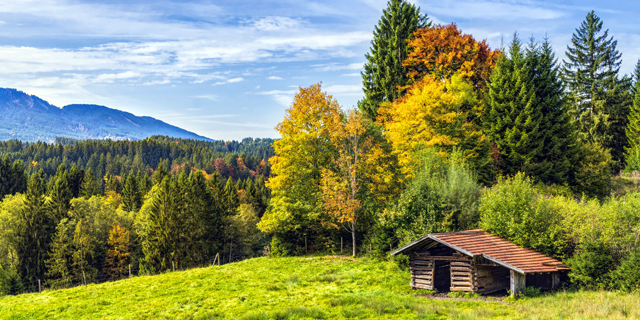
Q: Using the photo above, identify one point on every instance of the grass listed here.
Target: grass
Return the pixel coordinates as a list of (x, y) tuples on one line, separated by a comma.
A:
[(296, 288)]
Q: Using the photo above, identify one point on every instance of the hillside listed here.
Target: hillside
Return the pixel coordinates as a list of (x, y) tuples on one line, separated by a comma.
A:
[(296, 288), (29, 118)]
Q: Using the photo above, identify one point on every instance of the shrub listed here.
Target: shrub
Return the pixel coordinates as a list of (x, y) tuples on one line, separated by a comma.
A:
[(593, 171), (513, 210), (591, 265), (627, 276)]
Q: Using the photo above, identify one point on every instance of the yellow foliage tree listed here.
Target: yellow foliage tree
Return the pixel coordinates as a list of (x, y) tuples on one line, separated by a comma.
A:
[(118, 254), (434, 113), (302, 151)]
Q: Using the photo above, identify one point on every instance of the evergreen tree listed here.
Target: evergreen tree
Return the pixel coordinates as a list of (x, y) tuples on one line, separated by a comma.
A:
[(59, 262), (383, 72), (512, 118), (113, 184), (591, 76), (19, 183), (33, 234), (75, 180), (633, 130), (60, 195), (159, 245), (554, 163), (90, 185), (5, 176), (144, 183), (131, 195), (230, 197), (160, 173)]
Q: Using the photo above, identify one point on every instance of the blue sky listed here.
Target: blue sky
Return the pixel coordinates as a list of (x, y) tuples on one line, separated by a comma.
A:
[(229, 69)]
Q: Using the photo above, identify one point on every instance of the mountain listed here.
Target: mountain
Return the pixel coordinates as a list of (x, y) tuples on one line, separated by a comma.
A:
[(29, 118)]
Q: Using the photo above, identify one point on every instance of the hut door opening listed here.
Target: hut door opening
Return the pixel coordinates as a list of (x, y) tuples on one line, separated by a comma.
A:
[(442, 276)]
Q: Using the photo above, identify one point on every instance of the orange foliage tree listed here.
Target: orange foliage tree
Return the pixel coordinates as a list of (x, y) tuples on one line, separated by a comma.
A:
[(119, 253), (442, 50)]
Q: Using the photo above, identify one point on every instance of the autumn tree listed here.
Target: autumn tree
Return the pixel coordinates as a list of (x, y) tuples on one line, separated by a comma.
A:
[(119, 252), (442, 51), (303, 150), (384, 73), (434, 113), (341, 181)]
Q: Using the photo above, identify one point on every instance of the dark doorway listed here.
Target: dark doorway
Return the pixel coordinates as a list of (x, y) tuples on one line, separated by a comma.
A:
[(442, 276)]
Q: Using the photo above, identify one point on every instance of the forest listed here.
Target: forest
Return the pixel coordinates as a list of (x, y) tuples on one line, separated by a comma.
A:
[(450, 135)]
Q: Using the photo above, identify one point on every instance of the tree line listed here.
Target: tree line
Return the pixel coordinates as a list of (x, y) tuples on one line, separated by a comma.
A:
[(77, 226)]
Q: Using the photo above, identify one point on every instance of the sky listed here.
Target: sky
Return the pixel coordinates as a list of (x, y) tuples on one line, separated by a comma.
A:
[(229, 69)]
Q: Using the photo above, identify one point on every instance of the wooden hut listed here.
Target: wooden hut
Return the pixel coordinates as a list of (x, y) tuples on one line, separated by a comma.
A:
[(476, 261)]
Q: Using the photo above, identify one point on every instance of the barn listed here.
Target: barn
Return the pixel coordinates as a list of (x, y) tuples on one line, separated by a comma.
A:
[(476, 261)]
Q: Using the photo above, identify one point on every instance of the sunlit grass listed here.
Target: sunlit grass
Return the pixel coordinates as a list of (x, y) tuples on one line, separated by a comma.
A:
[(296, 288)]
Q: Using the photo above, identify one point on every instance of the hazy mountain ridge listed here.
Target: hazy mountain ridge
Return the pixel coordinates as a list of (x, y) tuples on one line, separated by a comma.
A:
[(29, 118)]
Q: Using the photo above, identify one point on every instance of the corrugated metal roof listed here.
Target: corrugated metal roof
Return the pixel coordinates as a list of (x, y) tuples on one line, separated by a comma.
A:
[(479, 243)]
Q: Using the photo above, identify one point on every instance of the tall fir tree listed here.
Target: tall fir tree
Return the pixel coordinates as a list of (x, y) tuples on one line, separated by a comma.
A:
[(5, 176), (511, 118), (19, 183), (230, 197), (632, 155), (555, 162), (34, 232), (90, 186), (59, 262), (383, 72), (75, 180), (160, 240), (131, 195), (590, 74), (59, 201)]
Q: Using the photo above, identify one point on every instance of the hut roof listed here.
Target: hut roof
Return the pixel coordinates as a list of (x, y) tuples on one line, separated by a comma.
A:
[(479, 243)]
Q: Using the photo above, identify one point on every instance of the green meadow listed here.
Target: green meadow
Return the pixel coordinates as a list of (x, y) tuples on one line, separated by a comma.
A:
[(322, 287)]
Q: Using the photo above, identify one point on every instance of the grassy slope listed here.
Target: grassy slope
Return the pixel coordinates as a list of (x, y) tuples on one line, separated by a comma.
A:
[(295, 288)]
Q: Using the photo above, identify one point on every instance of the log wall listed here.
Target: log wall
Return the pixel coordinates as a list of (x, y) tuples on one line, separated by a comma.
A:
[(462, 276), (421, 272), (491, 279)]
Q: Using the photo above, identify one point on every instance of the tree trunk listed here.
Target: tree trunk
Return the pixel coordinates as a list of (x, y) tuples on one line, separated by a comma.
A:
[(353, 237)]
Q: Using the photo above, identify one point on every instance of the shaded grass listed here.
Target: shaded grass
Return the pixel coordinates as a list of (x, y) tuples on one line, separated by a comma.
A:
[(296, 288)]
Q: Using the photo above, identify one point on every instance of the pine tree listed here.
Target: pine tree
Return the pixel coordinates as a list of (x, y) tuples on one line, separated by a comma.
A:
[(633, 131), (591, 76), (19, 183), (131, 195), (60, 195), (230, 197), (144, 183), (207, 216), (59, 262), (5, 176), (383, 72), (34, 232), (90, 185), (159, 243), (160, 173), (511, 118), (554, 164), (75, 180)]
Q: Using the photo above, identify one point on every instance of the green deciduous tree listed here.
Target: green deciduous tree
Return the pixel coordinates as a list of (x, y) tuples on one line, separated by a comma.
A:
[(383, 72)]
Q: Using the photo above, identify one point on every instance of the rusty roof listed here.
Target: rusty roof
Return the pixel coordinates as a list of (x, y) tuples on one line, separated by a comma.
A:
[(479, 243)]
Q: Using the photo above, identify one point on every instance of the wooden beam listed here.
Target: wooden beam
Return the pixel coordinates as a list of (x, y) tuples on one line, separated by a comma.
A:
[(517, 282)]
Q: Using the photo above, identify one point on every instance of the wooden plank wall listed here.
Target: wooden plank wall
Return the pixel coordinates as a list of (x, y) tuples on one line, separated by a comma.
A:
[(462, 276), (491, 279), (422, 270)]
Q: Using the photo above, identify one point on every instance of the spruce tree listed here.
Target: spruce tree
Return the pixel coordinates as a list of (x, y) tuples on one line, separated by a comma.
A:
[(19, 184), (633, 132), (60, 195), (511, 118), (59, 262), (230, 197), (90, 185), (131, 195), (383, 72), (590, 74), (160, 173), (5, 176), (33, 233), (554, 163), (159, 243), (75, 180)]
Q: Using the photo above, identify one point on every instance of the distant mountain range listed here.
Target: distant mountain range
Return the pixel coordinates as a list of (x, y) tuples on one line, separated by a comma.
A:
[(28, 118)]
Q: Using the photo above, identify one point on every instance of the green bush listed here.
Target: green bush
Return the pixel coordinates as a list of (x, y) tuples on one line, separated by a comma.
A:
[(10, 282), (627, 276), (441, 197), (590, 267), (513, 210), (402, 261), (593, 171)]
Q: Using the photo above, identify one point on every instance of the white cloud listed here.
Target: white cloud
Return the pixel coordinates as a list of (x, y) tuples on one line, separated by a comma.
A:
[(234, 80), (275, 23), (344, 90), (211, 97), (489, 10), (336, 67), (274, 78)]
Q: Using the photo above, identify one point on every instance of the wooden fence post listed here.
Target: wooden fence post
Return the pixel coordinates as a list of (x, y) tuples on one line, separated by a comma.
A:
[(129, 271), (173, 266), (305, 245), (340, 245), (84, 278), (39, 287)]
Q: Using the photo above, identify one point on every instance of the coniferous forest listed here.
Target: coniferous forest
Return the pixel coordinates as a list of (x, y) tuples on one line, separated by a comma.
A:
[(536, 144)]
